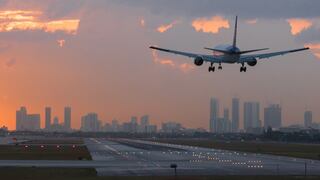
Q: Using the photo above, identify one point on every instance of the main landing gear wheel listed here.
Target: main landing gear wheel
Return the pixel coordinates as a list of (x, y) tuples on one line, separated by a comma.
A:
[(243, 69), (220, 67), (211, 69)]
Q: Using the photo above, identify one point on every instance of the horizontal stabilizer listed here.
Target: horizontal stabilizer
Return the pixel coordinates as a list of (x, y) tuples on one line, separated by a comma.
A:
[(218, 50), (241, 52), (253, 50)]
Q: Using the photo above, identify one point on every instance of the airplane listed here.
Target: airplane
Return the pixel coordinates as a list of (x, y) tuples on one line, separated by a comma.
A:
[(229, 54)]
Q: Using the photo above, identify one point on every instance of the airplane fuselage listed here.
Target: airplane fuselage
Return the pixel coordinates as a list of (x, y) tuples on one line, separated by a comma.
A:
[(231, 57)]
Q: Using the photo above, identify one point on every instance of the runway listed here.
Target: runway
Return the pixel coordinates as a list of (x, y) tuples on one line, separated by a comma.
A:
[(136, 157), (126, 157)]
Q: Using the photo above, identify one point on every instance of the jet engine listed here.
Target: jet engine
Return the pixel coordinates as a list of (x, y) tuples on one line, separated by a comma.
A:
[(198, 61), (253, 63)]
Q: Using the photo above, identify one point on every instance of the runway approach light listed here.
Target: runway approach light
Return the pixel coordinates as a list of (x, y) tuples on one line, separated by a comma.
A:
[(174, 166)]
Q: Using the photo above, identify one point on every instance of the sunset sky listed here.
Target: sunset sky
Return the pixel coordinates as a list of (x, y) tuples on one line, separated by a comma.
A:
[(93, 55)]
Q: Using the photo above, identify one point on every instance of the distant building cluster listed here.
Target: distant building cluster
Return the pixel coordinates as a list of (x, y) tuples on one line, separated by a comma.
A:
[(223, 124), (31, 122), (54, 124), (91, 123), (251, 117)]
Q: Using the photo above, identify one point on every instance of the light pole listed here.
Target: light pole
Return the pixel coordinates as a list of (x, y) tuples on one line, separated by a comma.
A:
[(174, 166)]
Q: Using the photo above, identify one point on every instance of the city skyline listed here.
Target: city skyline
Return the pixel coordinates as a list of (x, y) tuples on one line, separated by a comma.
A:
[(109, 69), (253, 116)]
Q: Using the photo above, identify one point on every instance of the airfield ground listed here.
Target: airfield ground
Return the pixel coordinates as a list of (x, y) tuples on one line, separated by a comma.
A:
[(103, 150), (307, 151), (46, 149)]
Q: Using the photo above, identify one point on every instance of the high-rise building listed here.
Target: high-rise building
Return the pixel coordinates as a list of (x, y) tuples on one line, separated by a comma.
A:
[(90, 123), (226, 114), (115, 126), (134, 124), (308, 119), (47, 118), (223, 123), (251, 115), (21, 117), (227, 122), (27, 122), (171, 127), (56, 121), (214, 114), (272, 116), (67, 118), (144, 123), (235, 115)]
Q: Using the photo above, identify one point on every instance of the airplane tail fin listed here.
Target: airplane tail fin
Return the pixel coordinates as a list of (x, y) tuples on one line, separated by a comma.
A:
[(235, 32)]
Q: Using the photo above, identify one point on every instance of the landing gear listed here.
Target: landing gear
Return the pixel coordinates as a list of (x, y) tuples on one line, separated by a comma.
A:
[(211, 69), (243, 69), (220, 67)]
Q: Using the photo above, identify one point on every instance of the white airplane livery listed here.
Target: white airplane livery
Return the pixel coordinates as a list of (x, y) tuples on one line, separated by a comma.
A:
[(229, 54)]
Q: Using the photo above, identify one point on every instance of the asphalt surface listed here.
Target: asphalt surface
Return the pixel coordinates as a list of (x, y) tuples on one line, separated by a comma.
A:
[(125, 157), (140, 158)]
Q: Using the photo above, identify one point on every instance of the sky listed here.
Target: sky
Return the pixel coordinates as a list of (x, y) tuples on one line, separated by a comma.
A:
[(93, 55)]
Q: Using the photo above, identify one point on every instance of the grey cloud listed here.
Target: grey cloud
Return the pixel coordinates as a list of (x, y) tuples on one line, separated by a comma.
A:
[(243, 8), (309, 35), (50, 8)]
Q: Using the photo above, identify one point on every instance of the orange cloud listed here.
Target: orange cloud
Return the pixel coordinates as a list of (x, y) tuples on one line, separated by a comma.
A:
[(315, 48), (252, 21), (61, 42), (212, 25), (162, 61), (166, 27), (298, 25), (19, 15), (68, 26), (185, 67), (30, 20)]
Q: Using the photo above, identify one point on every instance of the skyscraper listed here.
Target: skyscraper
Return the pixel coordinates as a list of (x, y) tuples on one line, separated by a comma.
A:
[(133, 124), (144, 123), (251, 115), (272, 116), (235, 115), (47, 118), (21, 117), (67, 118), (214, 114), (90, 123), (226, 121), (308, 119)]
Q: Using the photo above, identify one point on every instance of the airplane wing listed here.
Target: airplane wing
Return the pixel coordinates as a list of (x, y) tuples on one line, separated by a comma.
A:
[(207, 58), (253, 57)]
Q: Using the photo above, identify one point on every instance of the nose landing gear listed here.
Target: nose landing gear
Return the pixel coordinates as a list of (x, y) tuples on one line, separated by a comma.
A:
[(211, 69)]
